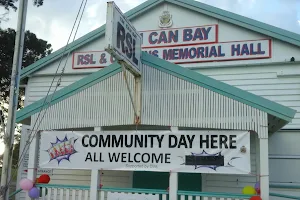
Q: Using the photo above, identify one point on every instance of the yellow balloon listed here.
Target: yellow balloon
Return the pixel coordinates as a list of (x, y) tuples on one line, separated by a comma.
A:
[(249, 190)]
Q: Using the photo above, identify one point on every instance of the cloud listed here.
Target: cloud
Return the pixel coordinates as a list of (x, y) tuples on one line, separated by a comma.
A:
[(298, 12), (93, 10), (59, 33)]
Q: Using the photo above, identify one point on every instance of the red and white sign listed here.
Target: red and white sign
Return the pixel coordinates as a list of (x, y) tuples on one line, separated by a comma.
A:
[(91, 59), (224, 51), (180, 36), (184, 45)]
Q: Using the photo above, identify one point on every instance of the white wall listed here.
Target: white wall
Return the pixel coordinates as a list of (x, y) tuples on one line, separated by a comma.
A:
[(119, 179), (38, 87), (285, 157), (285, 161), (265, 81)]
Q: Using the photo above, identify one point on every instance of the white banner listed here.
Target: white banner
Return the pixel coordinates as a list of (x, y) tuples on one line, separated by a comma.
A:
[(223, 152), (130, 196)]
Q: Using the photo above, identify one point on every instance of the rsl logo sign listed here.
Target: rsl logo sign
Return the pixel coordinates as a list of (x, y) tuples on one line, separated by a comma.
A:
[(165, 20)]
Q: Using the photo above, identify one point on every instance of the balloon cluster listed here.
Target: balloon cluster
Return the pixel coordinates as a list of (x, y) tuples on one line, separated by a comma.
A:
[(249, 190), (29, 185)]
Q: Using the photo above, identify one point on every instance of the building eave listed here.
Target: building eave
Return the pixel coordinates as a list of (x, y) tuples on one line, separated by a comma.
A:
[(67, 91)]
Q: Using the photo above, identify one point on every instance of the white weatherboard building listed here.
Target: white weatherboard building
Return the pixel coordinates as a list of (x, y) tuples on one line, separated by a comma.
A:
[(203, 69)]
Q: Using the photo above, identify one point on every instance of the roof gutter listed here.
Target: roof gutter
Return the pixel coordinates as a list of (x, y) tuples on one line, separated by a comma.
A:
[(242, 65)]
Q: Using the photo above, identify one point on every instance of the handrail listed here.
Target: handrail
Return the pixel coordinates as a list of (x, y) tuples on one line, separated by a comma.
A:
[(284, 196), (272, 185), (104, 188), (153, 191), (134, 190), (146, 191), (284, 186), (82, 187), (14, 193), (213, 194)]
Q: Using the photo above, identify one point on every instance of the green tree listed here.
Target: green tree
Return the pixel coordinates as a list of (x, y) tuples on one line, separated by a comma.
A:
[(38, 2), (10, 4), (34, 49)]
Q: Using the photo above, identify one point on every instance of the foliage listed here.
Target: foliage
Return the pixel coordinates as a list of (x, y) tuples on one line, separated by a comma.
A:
[(34, 49), (10, 4), (38, 2)]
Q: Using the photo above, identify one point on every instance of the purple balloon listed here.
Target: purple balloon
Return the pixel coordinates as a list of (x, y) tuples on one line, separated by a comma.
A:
[(257, 185), (34, 193)]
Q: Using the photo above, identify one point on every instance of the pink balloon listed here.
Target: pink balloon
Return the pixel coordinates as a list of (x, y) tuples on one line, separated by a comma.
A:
[(26, 184)]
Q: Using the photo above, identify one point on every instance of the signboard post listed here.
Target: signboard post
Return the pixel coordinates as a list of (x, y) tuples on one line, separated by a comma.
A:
[(123, 41)]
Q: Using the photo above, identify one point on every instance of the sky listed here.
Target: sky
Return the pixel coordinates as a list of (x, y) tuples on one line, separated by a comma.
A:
[(52, 23), (54, 20)]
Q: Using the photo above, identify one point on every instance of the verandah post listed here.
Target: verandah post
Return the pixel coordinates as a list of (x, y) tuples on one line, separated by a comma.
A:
[(173, 185), (264, 168), (264, 161), (173, 179), (33, 157), (95, 179)]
